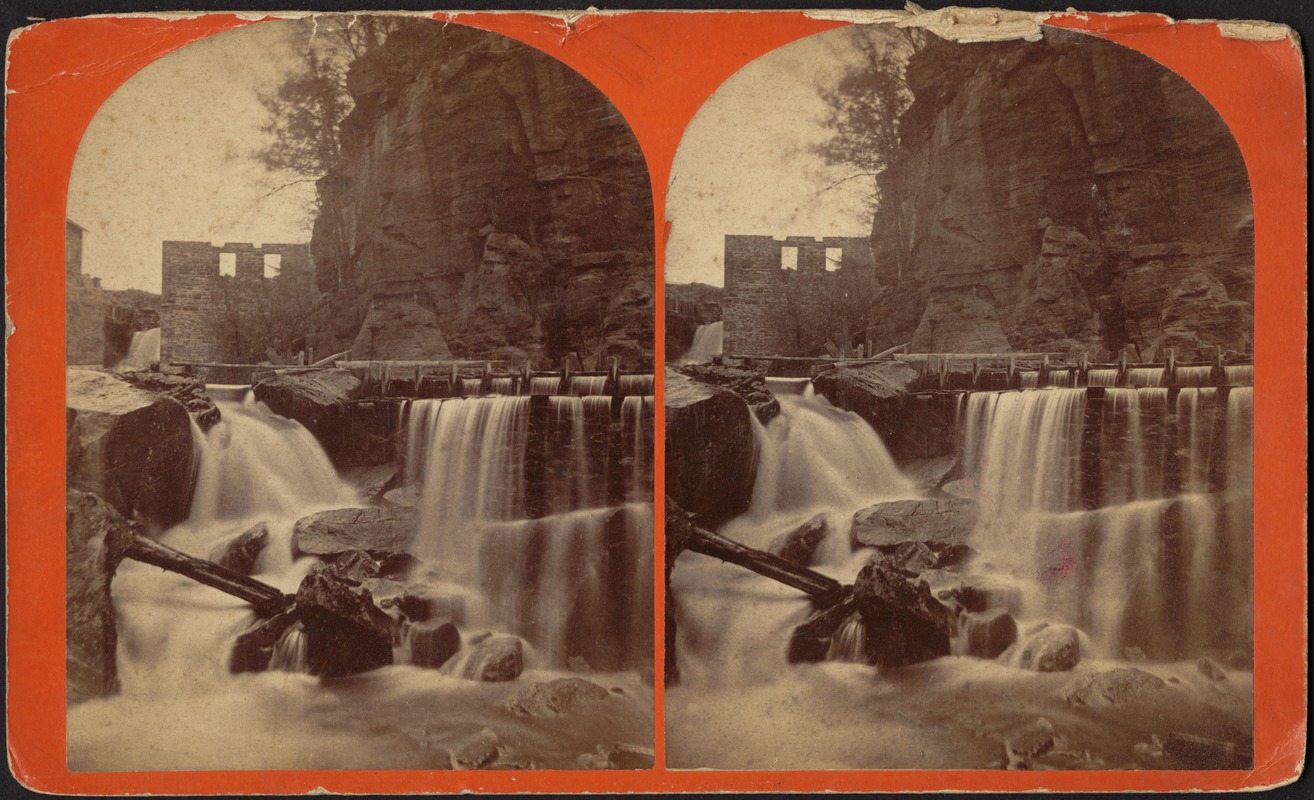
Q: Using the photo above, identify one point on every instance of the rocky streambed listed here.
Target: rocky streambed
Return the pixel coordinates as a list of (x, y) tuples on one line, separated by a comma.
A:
[(934, 655), (377, 659)]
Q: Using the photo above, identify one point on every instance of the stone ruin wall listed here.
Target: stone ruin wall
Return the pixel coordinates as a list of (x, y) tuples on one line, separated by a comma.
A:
[(86, 308), (195, 305), (756, 305)]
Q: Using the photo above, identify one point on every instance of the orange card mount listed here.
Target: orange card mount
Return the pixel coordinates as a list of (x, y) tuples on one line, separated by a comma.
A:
[(656, 70)]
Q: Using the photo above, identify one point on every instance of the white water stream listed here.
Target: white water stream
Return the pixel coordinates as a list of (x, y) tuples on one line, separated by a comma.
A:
[(1160, 565), (576, 582)]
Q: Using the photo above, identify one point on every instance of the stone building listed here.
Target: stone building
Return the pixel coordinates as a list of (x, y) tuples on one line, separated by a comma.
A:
[(793, 295), (221, 301), (86, 306)]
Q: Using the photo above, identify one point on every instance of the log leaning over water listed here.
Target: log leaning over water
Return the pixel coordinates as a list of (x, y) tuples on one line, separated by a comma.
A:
[(823, 589), (266, 599)]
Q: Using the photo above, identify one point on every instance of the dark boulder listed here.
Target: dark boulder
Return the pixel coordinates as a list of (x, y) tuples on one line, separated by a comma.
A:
[(1115, 687), (876, 392), (913, 557), (1053, 648), (131, 447), (371, 481), (356, 566), (494, 658), (748, 384), (317, 398), (1027, 743), (944, 521), (980, 593), (255, 647), (186, 389), (800, 544), (904, 622), (929, 474), (555, 698), (1211, 669), (375, 529), (710, 450), (989, 633), (345, 632), (420, 604), (811, 639), (95, 538), (433, 643), (242, 552)]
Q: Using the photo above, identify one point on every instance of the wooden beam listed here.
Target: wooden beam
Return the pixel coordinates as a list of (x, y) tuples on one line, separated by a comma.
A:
[(819, 586), (267, 599)]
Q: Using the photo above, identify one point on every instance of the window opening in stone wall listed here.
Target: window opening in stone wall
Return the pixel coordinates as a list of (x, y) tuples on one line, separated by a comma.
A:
[(789, 258), (273, 264), (228, 264), (834, 258)]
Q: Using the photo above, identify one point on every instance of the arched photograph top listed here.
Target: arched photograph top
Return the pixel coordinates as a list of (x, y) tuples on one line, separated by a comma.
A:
[(360, 407), (958, 413)]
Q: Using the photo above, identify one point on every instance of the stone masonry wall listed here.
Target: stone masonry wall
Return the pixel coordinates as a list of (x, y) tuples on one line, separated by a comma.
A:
[(771, 310), (198, 304), (84, 330)]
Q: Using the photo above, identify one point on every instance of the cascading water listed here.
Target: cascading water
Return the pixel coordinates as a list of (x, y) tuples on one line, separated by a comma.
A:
[(1102, 377), (1193, 375), (1145, 376), (1121, 534), (574, 583), (517, 514), (1120, 511), (706, 344), (588, 385), (812, 458), (143, 350)]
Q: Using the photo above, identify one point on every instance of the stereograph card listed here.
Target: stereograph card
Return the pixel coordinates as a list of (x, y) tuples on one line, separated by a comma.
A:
[(655, 401)]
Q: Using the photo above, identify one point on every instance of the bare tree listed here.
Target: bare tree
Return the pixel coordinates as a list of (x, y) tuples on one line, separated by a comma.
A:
[(307, 108), (866, 104)]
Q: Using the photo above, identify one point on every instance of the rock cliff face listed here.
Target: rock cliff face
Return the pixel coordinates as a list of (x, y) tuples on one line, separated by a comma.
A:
[(493, 195), (1063, 193)]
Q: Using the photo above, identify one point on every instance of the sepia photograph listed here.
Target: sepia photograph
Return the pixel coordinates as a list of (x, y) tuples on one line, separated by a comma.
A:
[(958, 413), (359, 409)]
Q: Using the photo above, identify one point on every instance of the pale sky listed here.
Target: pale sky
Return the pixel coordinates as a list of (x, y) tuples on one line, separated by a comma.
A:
[(170, 155), (744, 165)]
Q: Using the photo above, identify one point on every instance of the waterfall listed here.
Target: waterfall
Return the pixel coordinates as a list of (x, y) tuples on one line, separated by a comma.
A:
[(812, 458), (706, 344), (143, 350), (1145, 376), (1102, 377), (466, 458), (503, 385), (1239, 374), (849, 642), (254, 463), (1081, 511), (588, 385), (634, 385), (290, 653), (1030, 380), (518, 514), (1060, 378), (1193, 376), (545, 385), (253, 466)]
